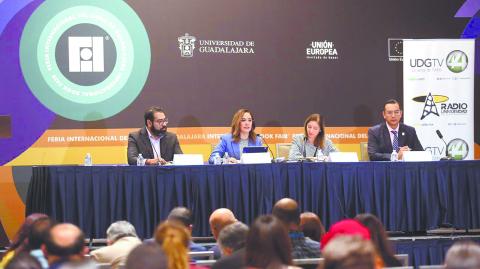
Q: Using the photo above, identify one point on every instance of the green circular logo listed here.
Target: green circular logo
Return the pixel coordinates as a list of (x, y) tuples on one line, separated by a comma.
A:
[(457, 61), (85, 61), (458, 149)]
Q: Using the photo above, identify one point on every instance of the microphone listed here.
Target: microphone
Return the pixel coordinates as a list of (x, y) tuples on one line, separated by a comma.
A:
[(304, 153), (447, 156), (269, 149)]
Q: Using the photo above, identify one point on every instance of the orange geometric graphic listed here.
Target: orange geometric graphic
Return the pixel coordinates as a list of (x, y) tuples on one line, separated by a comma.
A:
[(12, 208)]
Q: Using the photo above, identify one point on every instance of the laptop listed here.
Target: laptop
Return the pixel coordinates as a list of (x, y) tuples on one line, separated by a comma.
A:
[(417, 156), (187, 159), (343, 157), (255, 149), (255, 154)]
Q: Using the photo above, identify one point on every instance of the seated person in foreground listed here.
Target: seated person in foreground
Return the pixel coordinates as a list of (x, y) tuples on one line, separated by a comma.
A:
[(391, 135), (379, 239), (147, 256), (174, 240), (219, 219), (242, 135), (183, 216), (268, 245), (121, 239), (313, 142), (287, 211), (232, 240), (347, 252), (311, 226), (463, 254)]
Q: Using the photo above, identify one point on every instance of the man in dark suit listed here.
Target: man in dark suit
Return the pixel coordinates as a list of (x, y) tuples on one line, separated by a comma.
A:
[(391, 134), (153, 141)]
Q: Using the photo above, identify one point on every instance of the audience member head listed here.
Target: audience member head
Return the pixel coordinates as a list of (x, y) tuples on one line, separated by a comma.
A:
[(345, 227), (378, 236), (233, 237), (314, 128), (183, 215), (311, 226), (287, 211), (268, 244), (147, 256), (463, 255), (38, 233), (64, 241), (23, 260), (220, 218), (20, 240), (349, 252), (243, 122), (120, 229), (392, 113), (174, 239)]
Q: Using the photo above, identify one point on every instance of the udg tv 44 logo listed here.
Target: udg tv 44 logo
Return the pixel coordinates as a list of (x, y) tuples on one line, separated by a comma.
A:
[(85, 54), (456, 61)]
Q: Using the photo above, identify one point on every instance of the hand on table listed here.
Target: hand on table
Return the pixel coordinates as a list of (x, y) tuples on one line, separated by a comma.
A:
[(401, 151), (159, 161)]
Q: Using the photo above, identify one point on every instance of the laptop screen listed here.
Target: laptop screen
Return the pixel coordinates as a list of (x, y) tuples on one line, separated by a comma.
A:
[(255, 149)]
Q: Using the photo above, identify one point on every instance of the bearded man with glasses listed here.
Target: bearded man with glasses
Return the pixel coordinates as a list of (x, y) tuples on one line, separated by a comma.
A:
[(153, 141)]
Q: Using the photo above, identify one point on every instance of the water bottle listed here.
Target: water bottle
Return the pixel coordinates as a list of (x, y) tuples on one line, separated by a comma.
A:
[(394, 156), (225, 158), (140, 160), (88, 160), (217, 159)]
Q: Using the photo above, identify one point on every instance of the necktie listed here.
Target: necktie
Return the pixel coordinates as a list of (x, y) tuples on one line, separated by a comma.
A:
[(395, 140)]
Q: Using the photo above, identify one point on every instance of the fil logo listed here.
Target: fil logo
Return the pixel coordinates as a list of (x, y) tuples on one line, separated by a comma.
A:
[(85, 54), (186, 44)]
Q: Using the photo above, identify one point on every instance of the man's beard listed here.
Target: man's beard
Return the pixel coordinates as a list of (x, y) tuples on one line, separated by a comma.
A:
[(158, 132)]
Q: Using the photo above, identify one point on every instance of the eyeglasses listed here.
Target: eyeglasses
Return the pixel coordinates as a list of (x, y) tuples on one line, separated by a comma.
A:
[(162, 121), (393, 112), (245, 120)]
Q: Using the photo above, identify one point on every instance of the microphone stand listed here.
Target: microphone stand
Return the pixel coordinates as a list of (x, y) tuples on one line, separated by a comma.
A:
[(304, 152), (447, 156), (274, 159)]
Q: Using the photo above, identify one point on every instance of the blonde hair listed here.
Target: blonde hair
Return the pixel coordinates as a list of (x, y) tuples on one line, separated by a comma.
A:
[(174, 239)]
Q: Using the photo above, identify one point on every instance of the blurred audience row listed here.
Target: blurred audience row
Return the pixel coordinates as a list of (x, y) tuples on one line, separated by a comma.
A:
[(271, 241)]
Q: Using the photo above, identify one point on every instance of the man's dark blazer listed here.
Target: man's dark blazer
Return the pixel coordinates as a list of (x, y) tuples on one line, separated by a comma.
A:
[(234, 261), (380, 145), (138, 142)]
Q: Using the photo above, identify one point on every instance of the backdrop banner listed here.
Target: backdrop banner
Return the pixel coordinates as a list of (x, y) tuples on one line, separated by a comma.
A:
[(438, 81)]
